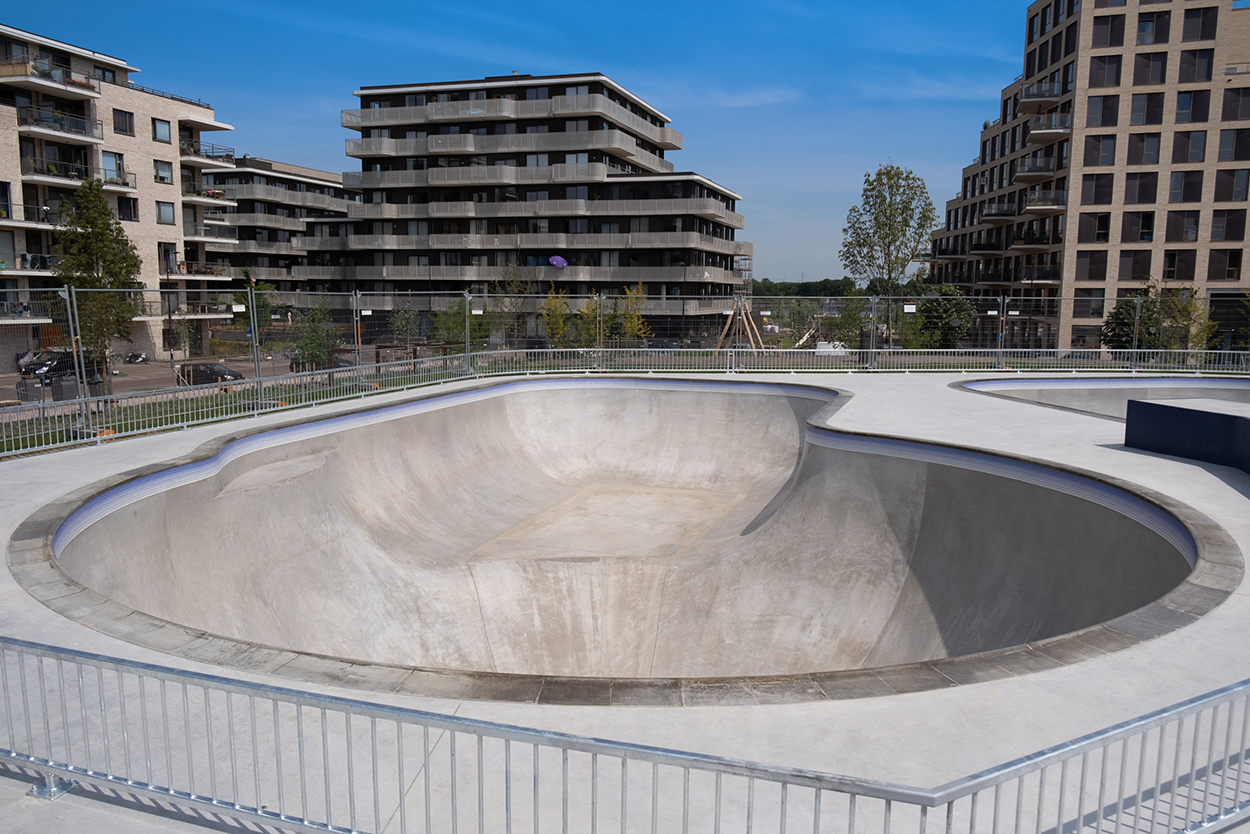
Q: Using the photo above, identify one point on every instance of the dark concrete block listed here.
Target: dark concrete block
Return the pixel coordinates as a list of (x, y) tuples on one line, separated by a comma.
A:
[(576, 692), (790, 691), (1194, 433), (918, 678), (716, 694), (850, 686)]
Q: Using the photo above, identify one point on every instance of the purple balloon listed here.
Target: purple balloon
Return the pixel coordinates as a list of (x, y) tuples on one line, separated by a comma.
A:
[(558, 262)]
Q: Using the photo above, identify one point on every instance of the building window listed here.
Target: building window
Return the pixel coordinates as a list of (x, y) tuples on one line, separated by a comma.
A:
[(1098, 4), (1097, 189), (163, 171), (1179, 265), (1150, 68), (1104, 71), (1143, 148), (105, 74), (577, 126), (1090, 303), (1104, 111), (1225, 265), (1231, 186), (128, 208), (1108, 31), (1196, 65), (1186, 187), (1193, 106), (160, 130), (1200, 24), (1234, 145), (1189, 147), (1182, 226), (1094, 228), (165, 213), (1228, 224), (1147, 109), (412, 100), (1138, 227), (1152, 27), (1099, 150), (124, 122), (1135, 266), (1236, 105), (1091, 266)]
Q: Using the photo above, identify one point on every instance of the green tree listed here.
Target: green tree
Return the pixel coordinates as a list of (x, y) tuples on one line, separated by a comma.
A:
[(95, 254), (554, 313), (449, 324), (633, 326), (587, 322), (406, 323), (882, 234), (314, 343), (945, 320), (264, 303), (509, 302), (827, 288), (846, 322), (1122, 323)]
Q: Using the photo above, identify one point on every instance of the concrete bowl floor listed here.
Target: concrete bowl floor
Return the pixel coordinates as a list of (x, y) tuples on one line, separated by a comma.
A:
[(893, 725), (631, 530)]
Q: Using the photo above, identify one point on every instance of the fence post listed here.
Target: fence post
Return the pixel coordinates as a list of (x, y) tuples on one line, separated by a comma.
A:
[(729, 361), (1002, 328), (468, 304), (251, 307), (1136, 330), (872, 337)]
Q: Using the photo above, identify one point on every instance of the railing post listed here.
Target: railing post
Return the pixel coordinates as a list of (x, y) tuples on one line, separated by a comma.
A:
[(1002, 328), (468, 304), (872, 337), (52, 787), (251, 306), (1136, 330)]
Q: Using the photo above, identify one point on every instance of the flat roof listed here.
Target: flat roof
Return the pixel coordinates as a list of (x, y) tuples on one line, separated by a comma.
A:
[(498, 81), (676, 177), (98, 57), (309, 175)]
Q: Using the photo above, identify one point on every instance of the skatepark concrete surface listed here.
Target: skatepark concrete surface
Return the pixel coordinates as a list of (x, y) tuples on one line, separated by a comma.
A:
[(912, 724)]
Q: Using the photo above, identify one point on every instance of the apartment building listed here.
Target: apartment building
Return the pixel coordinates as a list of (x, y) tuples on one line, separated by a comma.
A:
[(565, 174), (1120, 155), (69, 115), (287, 224)]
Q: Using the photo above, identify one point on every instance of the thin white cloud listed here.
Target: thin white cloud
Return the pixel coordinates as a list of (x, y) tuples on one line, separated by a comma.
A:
[(751, 97)]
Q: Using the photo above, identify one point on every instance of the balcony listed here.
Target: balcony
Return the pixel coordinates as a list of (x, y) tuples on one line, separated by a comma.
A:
[(266, 221), (478, 175), (507, 109), (1040, 96), (626, 275), (34, 216), (1030, 241), (205, 154), (209, 232), (949, 253), (196, 193), (999, 214), (203, 270), (708, 208), (1029, 169), (274, 194), (1042, 275), (58, 127), (1043, 130), (152, 309), (27, 263), (41, 75), (72, 174), (1046, 203), (989, 249)]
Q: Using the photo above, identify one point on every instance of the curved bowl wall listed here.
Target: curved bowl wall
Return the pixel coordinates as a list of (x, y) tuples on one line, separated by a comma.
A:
[(622, 529)]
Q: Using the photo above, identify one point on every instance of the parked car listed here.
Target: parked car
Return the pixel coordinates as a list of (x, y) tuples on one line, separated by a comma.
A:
[(206, 373), (59, 364)]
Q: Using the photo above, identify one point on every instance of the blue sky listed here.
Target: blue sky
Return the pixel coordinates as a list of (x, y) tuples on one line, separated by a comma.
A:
[(787, 102)]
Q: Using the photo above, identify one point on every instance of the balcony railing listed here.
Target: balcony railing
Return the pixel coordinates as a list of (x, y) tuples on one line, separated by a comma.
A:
[(1046, 198), (991, 246), (1040, 90), (61, 123), (47, 71), (1051, 121), (1035, 167), (212, 230), (165, 307), (203, 269), (33, 213), (1031, 238), (996, 210), (1045, 273), (27, 262), (206, 150), (191, 188), (33, 166)]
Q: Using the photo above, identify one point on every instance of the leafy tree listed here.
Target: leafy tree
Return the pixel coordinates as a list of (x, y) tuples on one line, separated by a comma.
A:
[(1122, 322), (406, 323), (449, 324), (95, 254), (555, 316), (800, 317), (828, 288), (509, 300), (633, 325), (313, 342), (264, 304), (1187, 318), (847, 322), (945, 320), (587, 322), (884, 232)]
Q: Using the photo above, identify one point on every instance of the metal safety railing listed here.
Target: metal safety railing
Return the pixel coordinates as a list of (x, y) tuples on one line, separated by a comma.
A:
[(311, 762), (50, 425)]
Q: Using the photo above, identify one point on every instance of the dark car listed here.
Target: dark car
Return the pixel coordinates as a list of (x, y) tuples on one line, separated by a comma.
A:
[(206, 373), (58, 365)]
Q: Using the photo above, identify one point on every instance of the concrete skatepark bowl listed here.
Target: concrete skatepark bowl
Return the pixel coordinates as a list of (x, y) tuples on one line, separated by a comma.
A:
[(620, 529)]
